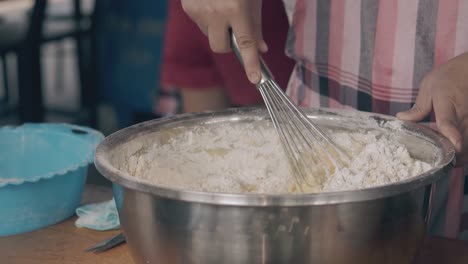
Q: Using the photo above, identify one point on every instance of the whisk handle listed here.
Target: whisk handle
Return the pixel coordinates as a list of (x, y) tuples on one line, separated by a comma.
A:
[(265, 72)]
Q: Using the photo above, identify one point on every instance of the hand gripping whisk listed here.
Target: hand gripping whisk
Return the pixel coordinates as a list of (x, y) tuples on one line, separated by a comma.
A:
[(311, 154)]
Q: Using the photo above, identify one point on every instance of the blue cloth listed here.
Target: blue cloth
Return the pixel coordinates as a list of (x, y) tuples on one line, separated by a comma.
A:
[(99, 216)]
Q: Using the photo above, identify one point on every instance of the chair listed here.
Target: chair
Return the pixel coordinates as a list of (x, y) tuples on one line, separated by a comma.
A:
[(25, 40)]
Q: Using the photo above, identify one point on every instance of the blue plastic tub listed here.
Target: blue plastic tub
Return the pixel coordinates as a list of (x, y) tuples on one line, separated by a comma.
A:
[(43, 171)]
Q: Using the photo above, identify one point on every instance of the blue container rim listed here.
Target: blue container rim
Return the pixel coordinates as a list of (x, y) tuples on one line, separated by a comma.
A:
[(91, 137)]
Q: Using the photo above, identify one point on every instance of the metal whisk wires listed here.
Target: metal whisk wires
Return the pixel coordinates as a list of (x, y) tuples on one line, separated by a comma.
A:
[(311, 153)]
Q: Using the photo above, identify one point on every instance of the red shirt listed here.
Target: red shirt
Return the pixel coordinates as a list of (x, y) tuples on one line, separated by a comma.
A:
[(188, 61)]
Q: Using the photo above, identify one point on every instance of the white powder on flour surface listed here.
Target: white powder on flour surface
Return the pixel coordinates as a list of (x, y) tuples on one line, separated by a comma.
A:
[(248, 158)]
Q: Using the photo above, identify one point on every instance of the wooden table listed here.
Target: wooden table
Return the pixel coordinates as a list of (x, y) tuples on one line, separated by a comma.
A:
[(64, 244)]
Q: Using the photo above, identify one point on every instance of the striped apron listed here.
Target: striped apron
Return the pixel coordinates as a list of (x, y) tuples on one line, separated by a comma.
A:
[(371, 55)]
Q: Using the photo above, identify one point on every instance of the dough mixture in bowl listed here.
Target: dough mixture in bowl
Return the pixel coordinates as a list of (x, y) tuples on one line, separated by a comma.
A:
[(247, 157)]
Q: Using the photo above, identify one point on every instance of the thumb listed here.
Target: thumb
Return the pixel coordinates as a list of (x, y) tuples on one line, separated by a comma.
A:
[(421, 108)]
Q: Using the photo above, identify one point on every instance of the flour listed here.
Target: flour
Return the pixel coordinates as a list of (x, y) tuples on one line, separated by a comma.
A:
[(248, 158), (380, 161)]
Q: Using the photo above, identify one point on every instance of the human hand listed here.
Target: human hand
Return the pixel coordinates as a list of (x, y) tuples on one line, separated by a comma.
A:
[(215, 17), (446, 91)]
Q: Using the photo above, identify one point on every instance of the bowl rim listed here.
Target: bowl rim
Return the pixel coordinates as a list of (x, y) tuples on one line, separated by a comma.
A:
[(87, 135), (105, 167)]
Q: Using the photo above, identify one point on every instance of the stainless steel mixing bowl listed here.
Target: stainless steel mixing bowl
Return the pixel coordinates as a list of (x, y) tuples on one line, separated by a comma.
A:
[(377, 225)]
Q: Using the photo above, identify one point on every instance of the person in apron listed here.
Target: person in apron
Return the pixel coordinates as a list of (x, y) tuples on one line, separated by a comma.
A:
[(405, 57)]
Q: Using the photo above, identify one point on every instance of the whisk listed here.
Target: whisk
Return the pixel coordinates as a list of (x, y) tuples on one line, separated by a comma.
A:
[(311, 154)]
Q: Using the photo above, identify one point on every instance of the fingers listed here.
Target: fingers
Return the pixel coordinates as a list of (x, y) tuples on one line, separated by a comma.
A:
[(257, 24), (444, 109), (262, 46), (248, 47), (462, 156), (218, 37), (446, 119), (422, 106), (450, 130), (214, 17)]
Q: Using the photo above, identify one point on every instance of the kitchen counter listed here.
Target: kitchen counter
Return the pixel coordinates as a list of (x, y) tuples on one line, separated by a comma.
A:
[(64, 244)]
